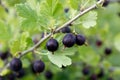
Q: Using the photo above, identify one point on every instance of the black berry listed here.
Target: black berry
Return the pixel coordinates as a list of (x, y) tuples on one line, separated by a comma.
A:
[(66, 30), (66, 10), (52, 45), (20, 73), (48, 74), (93, 77), (4, 55), (16, 64), (63, 67), (38, 66), (108, 51), (86, 71), (80, 39), (106, 2), (33, 71), (11, 76), (69, 40), (98, 43), (100, 74)]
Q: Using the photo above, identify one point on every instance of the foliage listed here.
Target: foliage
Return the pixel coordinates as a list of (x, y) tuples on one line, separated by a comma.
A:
[(25, 22)]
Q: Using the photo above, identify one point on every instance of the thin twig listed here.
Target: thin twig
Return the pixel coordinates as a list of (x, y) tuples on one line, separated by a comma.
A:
[(59, 28), (79, 15)]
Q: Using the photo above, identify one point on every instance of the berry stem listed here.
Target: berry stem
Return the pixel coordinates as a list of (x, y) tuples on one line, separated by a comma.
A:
[(59, 28)]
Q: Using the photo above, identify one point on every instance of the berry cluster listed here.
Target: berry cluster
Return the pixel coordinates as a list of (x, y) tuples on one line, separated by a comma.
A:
[(68, 41), (107, 51), (13, 75), (86, 71), (17, 71)]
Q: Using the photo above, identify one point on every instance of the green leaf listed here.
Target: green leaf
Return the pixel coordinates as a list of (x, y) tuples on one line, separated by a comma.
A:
[(29, 41), (51, 8), (89, 20), (30, 23), (3, 13), (30, 26), (15, 46), (66, 51), (21, 43), (51, 11), (77, 4), (59, 60), (117, 42), (74, 4), (25, 11), (4, 31), (13, 2), (54, 6)]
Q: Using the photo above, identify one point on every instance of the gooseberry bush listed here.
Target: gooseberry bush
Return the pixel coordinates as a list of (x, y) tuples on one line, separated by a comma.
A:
[(59, 40)]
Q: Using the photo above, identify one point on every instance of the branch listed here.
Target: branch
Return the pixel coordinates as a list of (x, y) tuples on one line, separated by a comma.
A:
[(59, 28)]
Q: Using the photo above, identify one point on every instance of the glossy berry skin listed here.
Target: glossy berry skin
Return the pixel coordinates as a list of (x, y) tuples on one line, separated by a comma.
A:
[(52, 45), (108, 51), (48, 74), (80, 39), (86, 71), (38, 66), (69, 40), (16, 64), (66, 30)]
